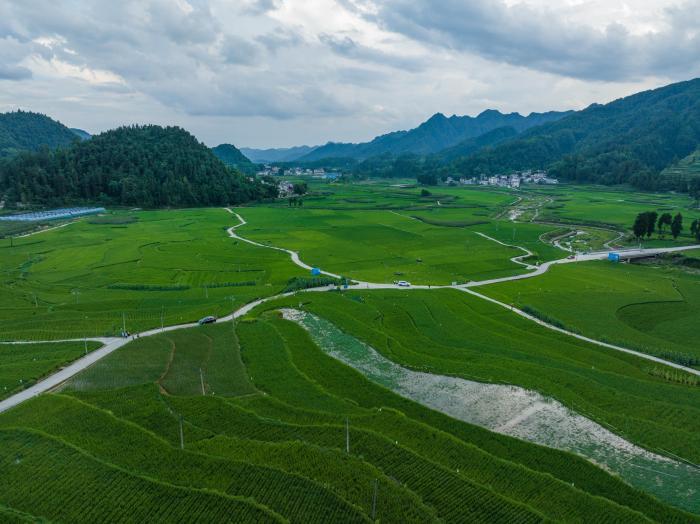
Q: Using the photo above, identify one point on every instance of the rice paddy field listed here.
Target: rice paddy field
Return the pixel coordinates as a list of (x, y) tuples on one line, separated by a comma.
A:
[(360, 405), (652, 308), (132, 270)]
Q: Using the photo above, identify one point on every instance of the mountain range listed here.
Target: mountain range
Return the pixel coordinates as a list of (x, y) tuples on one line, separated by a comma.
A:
[(629, 140), (435, 134), (650, 139), (286, 154)]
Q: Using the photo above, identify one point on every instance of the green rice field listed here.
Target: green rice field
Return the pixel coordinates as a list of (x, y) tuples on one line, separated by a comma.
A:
[(354, 405)]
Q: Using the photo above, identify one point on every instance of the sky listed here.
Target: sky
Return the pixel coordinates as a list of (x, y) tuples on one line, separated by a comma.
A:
[(278, 73)]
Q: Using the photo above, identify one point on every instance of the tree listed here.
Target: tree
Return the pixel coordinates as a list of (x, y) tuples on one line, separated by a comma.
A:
[(695, 227), (300, 188), (425, 193), (427, 179), (664, 220), (677, 225), (651, 222), (640, 225)]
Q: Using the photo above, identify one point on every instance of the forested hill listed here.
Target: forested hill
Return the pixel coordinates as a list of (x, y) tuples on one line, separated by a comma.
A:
[(629, 140), (146, 166), (435, 134), (25, 131), (232, 156)]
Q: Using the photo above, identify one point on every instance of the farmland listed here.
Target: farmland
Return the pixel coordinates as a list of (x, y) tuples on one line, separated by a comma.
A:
[(644, 307), (354, 409), (269, 436), (133, 271), (21, 365)]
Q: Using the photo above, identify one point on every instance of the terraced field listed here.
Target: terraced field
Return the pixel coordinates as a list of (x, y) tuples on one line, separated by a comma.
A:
[(282, 431)]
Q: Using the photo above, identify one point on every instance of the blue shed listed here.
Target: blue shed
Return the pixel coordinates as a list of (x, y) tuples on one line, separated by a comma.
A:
[(614, 257), (315, 272)]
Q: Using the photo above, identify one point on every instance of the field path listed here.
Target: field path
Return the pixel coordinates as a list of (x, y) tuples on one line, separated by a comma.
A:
[(519, 258), (113, 343)]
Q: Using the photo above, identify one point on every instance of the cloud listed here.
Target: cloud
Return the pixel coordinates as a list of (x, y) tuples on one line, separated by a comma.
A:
[(281, 37), (349, 48), (258, 7), (236, 50), (14, 72), (546, 39)]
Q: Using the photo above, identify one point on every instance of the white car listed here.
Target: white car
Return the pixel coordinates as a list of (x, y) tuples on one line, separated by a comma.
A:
[(403, 283)]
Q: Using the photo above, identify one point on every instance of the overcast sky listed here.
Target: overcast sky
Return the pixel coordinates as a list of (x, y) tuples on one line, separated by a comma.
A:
[(268, 73)]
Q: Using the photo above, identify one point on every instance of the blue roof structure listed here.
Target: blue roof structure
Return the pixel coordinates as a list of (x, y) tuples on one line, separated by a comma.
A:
[(54, 214)]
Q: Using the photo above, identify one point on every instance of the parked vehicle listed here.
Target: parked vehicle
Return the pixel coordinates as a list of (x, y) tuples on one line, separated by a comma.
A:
[(206, 320), (403, 283)]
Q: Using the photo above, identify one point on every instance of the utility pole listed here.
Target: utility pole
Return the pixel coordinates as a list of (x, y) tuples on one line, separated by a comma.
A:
[(124, 323), (374, 501), (206, 292), (162, 310), (182, 435), (347, 436), (201, 380)]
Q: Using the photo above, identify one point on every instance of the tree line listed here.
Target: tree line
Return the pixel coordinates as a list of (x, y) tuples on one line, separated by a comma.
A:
[(649, 222)]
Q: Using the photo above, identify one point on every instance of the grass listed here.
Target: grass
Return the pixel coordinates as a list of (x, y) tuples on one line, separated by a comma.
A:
[(21, 365)]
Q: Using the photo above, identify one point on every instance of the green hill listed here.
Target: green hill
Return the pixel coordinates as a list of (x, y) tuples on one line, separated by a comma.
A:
[(147, 166), (232, 156), (26, 131), (630, 140)]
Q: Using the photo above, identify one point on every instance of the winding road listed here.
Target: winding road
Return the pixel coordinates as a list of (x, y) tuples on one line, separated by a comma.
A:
[(113, 343)]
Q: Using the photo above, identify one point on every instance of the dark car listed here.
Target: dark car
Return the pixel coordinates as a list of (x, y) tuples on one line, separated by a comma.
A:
[(206, 320)]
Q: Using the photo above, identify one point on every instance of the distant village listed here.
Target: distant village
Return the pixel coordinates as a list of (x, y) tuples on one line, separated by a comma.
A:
[(514, 180), (297, 171)]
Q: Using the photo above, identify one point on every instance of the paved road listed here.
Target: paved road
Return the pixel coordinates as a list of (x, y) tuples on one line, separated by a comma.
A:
[(112, 344)]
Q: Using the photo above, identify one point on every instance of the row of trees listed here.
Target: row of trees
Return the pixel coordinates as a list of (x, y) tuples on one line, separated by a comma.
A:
[(649, 222)]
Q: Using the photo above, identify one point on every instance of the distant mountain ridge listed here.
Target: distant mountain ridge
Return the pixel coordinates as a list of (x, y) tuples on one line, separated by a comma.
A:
[(435, 134), (629, 140), (27, 131), (284, 154)]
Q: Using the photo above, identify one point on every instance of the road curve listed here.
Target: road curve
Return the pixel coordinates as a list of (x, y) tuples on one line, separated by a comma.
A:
[(111, 344)]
